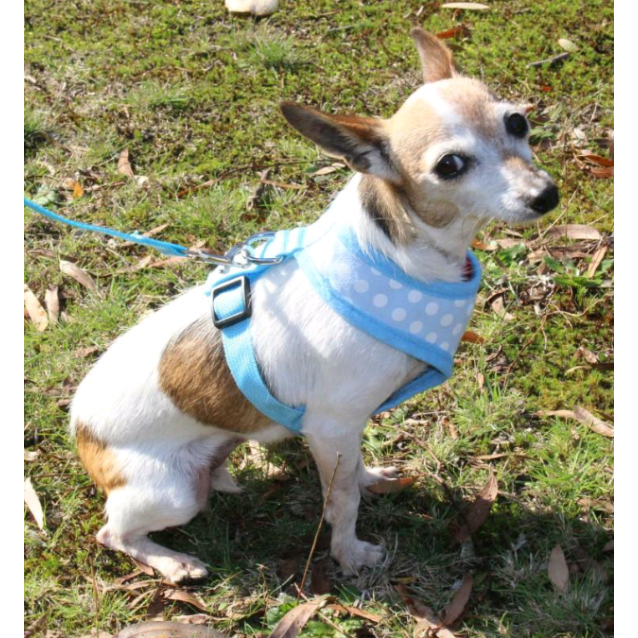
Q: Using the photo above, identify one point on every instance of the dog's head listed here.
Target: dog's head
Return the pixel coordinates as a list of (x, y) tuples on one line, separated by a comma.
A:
[(453, 150)]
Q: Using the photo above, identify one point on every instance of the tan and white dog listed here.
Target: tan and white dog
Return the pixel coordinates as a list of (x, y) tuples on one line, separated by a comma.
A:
[(157, 416)]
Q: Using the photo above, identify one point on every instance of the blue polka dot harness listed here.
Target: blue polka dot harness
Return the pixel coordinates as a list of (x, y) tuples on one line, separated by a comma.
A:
[(371, 292)]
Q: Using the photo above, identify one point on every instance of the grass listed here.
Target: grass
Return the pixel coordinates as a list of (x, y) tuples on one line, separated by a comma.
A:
[(192, 92)]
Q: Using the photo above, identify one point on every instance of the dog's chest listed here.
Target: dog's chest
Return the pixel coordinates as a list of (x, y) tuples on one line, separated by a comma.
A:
[(312, 356)]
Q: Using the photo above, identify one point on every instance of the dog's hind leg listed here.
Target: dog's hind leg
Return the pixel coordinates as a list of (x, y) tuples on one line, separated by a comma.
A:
[(163, 488)]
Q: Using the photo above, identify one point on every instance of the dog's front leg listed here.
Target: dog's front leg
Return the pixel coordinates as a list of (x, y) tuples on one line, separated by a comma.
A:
[(329, 440)]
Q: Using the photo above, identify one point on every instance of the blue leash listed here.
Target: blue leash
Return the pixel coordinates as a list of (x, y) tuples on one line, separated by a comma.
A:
[(164, 247), (240, 255)]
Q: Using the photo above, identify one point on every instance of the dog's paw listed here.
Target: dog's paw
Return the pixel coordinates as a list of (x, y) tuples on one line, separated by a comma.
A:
[(358, 554), (222, 481), (373, 475), (183, 570)]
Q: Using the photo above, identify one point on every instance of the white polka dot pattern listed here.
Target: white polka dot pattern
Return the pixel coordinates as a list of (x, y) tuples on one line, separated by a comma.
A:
[(418, 312)]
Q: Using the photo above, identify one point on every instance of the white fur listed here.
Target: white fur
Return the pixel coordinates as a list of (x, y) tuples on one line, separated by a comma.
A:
[(256, 7), (308, 354)]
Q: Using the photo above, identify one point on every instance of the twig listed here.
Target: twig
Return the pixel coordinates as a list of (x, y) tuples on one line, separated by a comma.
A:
[(551, 61), (323, 515), (96, 598)]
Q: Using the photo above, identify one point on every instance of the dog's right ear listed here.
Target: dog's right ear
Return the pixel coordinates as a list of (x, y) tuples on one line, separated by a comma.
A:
[(436, 58), (360, 141)]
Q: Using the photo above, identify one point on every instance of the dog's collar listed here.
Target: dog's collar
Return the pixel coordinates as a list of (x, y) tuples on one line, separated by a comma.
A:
[(369, 290)]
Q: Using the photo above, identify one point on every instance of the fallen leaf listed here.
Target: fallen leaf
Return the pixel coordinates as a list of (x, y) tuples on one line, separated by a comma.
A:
[(562, 414), (355, 611), (593, 423), (52, 303), (574, 231), (326, 170), (602, 172), (81, 276), (35, 310), (476, 514), (33, 503), (486, 247), (609, 546), (31, 455), (466, 6), (78, 191), (161, 629), (429, 623), (391, 486), (459, 31), (319, 581), (599, 160), (588, 355), (597, 504), (458, 604), (184, 596), (124, 165), (597, 258), (294, 621), (143, 567), (499, 308), (472, 337), (194, 619), (86, 352), (568, 45), (557, 569)]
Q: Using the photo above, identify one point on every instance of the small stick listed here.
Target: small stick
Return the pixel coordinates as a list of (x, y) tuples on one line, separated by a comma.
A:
[(323, 515), (551, 61), (96, 598)]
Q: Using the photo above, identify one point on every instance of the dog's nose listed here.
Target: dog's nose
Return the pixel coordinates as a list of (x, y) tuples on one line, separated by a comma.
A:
[(546, 200)]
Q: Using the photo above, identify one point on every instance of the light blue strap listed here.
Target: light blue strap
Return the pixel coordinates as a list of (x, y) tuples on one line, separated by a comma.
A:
[(240, 356), (163, 246)]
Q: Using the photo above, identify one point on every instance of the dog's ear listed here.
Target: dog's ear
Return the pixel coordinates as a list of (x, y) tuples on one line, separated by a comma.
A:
[(436, 58), (360, 141)]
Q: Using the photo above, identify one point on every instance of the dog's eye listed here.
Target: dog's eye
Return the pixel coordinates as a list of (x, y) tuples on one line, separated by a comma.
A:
[(450, 166), (516, 125)]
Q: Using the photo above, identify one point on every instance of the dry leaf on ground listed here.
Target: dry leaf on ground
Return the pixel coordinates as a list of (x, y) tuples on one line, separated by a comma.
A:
[(319, 581), (184, 596), (33, 503), (294, 621), (78, 191), (168, 630), (593, 423), (574, 231), (429, 623), (472, 337), (459, 31), (52, 303), (391, 486), (476, 514), (124, 165), (598, 256), (609, 546), (458, 604), (34, 309), (498, 307), (354, 611), (81, 276), (568, 45), (557, 569), (466, 6)]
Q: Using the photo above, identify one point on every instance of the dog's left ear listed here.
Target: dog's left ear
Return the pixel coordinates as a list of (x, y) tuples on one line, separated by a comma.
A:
[(436, 58), (360, 141)]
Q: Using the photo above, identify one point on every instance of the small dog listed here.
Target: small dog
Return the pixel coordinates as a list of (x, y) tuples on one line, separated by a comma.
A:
[(160, 412)]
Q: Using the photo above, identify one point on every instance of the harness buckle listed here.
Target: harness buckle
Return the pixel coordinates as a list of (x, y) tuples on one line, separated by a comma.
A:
[(244, 283)]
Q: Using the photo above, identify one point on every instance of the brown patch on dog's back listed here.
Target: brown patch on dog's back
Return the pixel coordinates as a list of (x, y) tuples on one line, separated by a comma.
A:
[(98, 460), (194, 374)]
